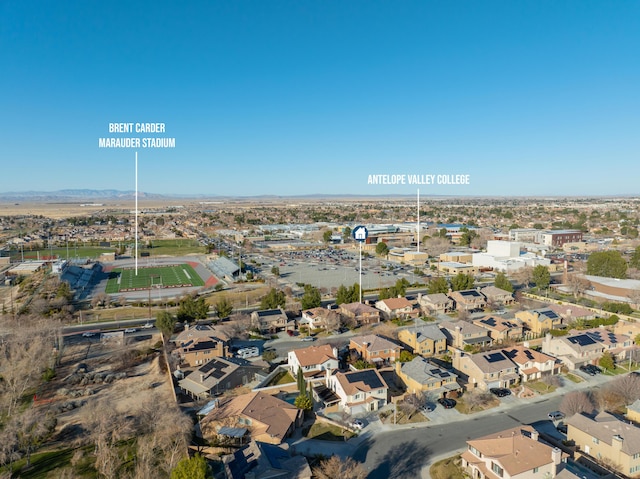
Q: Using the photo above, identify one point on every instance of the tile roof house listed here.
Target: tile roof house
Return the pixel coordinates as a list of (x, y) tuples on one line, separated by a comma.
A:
[(375, 349), (619, 345), (492, 369), (421, 375), (464, 333), (397, 308), (540, 320), (200, 350), (425, 340), (313, 360), (497, 295), (532, 364), (514, 453), (272, 321), (571, 312), (360, 313), (199, 331), (258, 460), (267, 418), (219, 375), (359, 391), (573, 350), (608, 438), (321, 318), (501, 329), (435, 303), (468, 299)]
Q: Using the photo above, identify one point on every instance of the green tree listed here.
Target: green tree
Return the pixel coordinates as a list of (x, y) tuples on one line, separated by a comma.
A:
[(634, 262), (304, 402), (302, 385), (467, 236), (311, 297), (223, 307), (382, 249), (191, 308), (191, 468), (326, 236), (346, 233), (438, 285), (462, 281), (503, 282), (348, 295), (610, 264), (273, 299), (275, 271), (606, 361), (406, 356), (541, 276), (165, 322)]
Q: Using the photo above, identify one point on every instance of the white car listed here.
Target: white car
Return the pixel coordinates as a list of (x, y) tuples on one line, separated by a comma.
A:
[(357, 424), (147, 326), (88, 334), (130, 330)]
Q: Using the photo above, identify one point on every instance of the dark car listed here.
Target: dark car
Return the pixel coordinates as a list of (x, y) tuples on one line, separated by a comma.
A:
[(447, 403), (590, 369), (500, 392)]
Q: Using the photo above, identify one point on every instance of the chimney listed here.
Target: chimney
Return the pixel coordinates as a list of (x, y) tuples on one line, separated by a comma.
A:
[(556, 456), (616, 442), (534, 435), (186, 326)]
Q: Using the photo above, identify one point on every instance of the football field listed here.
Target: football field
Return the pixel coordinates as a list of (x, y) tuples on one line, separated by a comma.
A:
[(169, 276)]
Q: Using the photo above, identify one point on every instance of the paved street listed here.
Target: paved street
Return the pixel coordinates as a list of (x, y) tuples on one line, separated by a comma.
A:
[(407, 451)]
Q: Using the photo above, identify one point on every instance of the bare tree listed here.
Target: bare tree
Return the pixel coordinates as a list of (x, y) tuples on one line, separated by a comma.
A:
[(552, 380), (477, 399), (334, 467), (627, 387), (436, 246), (524, 275), (577, 284), (575, 402)]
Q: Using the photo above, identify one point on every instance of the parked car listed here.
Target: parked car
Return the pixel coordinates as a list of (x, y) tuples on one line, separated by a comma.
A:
[(88, 334), (500, 392), (308, 338), (447, 403), (556, 415), (290, 333), (130, 330), (428, 407), (590, 369)]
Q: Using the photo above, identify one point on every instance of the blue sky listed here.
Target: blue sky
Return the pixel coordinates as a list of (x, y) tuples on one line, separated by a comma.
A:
[(310, 97)]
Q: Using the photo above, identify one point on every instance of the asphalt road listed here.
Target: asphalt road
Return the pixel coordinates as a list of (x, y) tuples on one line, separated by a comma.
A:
[(404, 453)]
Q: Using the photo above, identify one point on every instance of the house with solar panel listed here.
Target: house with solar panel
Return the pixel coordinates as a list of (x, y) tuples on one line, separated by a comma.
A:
[(219, 375), (493, 369), (359, 391), (501, 329), (422, 375), (541, 320), (532, 364), (468, 300), (619, 345), (573, 350), (497, 296)]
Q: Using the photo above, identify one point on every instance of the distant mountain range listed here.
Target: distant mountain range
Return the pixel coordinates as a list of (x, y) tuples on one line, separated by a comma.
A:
[(72, 195)]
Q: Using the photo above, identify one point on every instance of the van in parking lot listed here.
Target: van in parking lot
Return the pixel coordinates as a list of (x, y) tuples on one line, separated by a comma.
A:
[(250, 352)]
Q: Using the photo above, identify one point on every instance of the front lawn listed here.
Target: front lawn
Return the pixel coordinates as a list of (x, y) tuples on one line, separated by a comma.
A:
[(449, 468), (541, 387), (328, 432)]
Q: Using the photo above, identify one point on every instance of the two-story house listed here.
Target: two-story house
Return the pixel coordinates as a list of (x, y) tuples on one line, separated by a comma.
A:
[(532, 364), (468, 300), (573, 350), (359, 391), (321, 318), (375, 349), (421, 375), (540, 320), (435, 303), (619, 345), (313, 360), (218, 375), (492, 369), (501, 329), (270, 321), (497, 296), (360, 313), (463, 333), (607, 438), (426, 340), (400, 308), (201, 350), (516, 453)]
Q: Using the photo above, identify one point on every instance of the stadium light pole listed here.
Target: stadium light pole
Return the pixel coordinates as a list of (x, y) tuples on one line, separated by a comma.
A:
[(136, 216)]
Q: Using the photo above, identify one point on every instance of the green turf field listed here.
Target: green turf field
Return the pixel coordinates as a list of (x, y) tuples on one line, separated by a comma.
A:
[(169, 276)]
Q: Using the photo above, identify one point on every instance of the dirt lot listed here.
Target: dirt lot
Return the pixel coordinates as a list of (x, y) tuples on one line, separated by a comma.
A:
[(124, 377)]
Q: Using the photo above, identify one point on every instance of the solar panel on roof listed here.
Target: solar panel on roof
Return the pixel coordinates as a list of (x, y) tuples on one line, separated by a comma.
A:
[(582, 340), (494, 357), (369, 377), (208, 366)]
